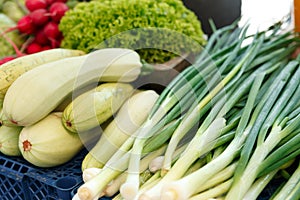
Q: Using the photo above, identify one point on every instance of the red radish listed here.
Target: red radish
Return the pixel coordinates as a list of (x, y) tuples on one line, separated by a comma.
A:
[(46, 48), (49, 2), (24, 25), (39, 17), (1, 63), (6, 59), (51, 30), (58, 10), (35, 4), (55, 43), (33, 48), (41, 38)]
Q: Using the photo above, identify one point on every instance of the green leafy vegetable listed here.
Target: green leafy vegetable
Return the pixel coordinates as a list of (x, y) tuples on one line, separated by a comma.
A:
[(158, 30), (6, 48)]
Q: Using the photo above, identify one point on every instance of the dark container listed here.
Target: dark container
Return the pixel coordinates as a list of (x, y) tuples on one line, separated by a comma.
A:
[(222, 12)]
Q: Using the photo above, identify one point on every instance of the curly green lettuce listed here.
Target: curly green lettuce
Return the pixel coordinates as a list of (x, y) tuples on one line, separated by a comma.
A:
[(157, 29)]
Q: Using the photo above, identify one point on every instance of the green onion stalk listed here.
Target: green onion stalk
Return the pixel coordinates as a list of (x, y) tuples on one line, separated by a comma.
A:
[(290, 190), (179, 133), (202, 102), (247, 127), (170, 98), (113, 187), (270, 131), (118, 163), (96, 187), (192, 117), (216, 191), (267, 139), (208, 92), (185, 161), (259, 185), (156, 177), (163, 189)]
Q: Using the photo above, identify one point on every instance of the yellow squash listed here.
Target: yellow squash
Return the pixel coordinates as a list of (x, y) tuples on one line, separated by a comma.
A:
[(39, 91), (9, 140), (95, 106), (4, 121), (47, 143), (11, 70), (128, 119)]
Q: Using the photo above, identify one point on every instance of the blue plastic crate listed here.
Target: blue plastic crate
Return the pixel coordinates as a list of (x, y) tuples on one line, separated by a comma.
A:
[(55, 183), (12, 172), (20, 180)]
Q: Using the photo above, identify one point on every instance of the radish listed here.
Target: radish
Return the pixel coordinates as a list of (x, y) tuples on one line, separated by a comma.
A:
[(55, 43), (32, 5), (46, 48), (33, 48), (41, 38), (41, 23), (6, 59), (51, 30), (49, 2), (39, 17), (58, 10), (24, 25)]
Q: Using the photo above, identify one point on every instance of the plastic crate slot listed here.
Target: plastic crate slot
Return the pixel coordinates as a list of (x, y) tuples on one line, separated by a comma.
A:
[(64, 187), (38, 190), (14, 164), (8, 164), (11, 189), (20, 168), (16, 175), (48, 188)]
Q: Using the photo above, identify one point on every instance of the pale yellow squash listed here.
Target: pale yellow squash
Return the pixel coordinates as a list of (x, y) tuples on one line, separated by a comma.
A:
[(94, 107), (39, 91), (47, 143), (9, 140), (129, 118)]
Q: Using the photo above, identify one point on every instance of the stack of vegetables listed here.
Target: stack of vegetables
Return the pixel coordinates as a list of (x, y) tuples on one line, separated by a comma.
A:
[(30, 26), (90, 25), (37, 88), (32, 99), (10, 13), (224, 128)]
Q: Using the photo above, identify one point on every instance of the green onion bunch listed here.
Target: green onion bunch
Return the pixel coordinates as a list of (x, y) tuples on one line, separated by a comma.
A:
[(223, 128)]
